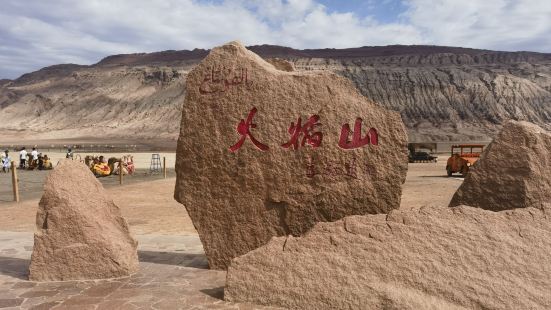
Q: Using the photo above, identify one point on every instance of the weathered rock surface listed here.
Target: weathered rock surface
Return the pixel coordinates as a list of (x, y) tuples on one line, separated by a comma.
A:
[(80, 231), (427, 258), (281, 64), (513, 172), (240, 189)]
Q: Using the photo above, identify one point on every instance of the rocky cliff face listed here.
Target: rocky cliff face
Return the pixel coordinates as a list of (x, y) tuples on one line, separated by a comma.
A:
[(443, 93), (111, 101), (458, 101)]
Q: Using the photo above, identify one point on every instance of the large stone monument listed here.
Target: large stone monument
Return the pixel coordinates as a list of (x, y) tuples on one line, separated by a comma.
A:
[(80, 231), (264, 152), (513, 172)]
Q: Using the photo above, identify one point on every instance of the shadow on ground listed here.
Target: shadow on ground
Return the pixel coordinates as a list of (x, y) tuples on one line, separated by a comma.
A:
[(171, 258), (15, 267), (217, 292), (19, 267)]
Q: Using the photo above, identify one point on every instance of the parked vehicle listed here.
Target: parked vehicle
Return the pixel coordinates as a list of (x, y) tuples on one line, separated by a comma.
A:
[(463, 156), (421, 157), (421, 152)]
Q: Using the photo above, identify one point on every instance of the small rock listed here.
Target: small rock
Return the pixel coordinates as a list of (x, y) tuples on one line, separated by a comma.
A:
[(81, 233), (513, 172)]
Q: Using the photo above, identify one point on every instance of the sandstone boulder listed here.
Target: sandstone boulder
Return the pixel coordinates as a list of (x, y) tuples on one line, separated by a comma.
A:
[(264, 152), (80, 231), (513, 172), (281, 64), (427, 258)]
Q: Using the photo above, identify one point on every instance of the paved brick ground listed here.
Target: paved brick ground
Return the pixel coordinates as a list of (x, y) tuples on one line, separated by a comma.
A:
[(173, 274)]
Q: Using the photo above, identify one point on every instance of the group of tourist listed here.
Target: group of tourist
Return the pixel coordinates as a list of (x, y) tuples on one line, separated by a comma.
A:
[(97, 164), (30, 161)]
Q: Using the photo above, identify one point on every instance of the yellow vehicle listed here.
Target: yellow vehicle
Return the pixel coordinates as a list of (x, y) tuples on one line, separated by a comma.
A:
[(462, 157)]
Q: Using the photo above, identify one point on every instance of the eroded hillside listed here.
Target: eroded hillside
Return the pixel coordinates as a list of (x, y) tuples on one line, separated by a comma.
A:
[(442, 93)]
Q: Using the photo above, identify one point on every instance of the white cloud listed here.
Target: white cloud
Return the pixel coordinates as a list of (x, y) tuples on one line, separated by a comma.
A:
[(37, 33), (490, 24)]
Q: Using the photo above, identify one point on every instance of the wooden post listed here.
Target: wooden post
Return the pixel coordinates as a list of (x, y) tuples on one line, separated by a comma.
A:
[(164, 166), (120, 172), (14, 182)]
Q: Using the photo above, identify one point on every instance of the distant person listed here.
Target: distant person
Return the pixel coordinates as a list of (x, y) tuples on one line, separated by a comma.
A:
[(40, 162), (69, 154), (34, 157), (6, 162), (34, 154), (31, 164), (22, 158)]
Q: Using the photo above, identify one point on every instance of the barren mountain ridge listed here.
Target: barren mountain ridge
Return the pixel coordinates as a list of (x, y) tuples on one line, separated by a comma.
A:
[(442, 93)]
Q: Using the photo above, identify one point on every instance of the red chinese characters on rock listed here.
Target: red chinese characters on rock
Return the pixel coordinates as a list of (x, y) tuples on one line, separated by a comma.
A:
[(357, 141), (244, 129), (309, 133), (308, 136)]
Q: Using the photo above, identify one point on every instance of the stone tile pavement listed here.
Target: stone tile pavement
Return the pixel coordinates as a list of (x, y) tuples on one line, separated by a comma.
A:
[(173, 274)]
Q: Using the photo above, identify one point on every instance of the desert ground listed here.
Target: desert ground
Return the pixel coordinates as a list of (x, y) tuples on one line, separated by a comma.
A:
[(30, 182), (174, 271)]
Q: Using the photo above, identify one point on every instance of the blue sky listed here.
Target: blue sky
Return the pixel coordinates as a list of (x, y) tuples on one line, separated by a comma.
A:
[(39, 33), (384, 11)]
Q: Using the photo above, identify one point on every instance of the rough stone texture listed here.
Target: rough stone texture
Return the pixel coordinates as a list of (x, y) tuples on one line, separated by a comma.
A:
[(80, 231), (428, 258), (281, 64), (239, 200), (513, 172)]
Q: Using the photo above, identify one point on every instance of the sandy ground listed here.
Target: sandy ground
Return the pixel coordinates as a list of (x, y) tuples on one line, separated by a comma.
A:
[(149, 206), (428, 184), (30, 182), (173, 268)]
